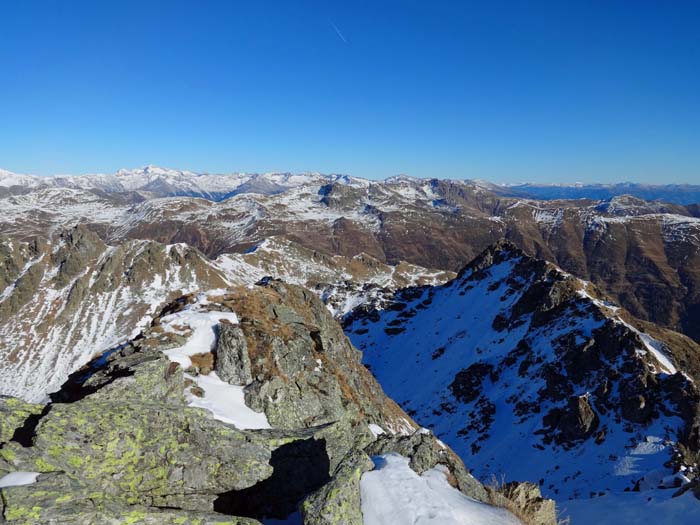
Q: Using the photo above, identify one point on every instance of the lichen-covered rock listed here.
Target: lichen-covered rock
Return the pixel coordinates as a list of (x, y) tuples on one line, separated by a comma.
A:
[(141, 452), (232, 361), (57, 499), (338, 501)]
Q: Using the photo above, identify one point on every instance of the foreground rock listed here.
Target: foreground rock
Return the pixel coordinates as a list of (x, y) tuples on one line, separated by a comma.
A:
[(123, 441)]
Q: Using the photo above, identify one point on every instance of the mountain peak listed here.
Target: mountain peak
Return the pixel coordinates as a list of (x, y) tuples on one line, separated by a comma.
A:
[(496, 253), (152, 169)]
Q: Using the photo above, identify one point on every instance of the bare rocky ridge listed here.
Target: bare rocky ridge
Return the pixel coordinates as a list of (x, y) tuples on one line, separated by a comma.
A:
[(526, 370)]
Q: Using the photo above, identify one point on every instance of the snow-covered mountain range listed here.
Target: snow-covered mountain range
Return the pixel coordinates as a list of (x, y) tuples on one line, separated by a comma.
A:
[(153, 181), (167, 182), (645, 254)]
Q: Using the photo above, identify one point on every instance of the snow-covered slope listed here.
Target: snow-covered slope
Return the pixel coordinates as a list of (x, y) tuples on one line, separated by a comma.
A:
[(69, 297), (526, 371), (65, 302)]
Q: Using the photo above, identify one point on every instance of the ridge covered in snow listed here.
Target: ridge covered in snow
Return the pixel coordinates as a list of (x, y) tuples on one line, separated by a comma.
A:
[(524, 371), (393, 493), (155, 181)]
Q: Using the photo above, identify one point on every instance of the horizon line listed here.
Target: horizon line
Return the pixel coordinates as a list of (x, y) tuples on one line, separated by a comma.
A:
[(340, 174)]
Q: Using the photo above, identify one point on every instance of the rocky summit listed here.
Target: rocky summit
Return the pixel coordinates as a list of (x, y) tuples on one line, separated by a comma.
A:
[(236, 406)]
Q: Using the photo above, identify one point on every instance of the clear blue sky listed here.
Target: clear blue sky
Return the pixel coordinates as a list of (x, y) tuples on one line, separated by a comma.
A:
[(506, 91)]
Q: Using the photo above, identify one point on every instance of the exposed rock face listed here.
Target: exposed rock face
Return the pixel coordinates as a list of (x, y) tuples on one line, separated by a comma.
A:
[(232, 360), (121, 442), (338, 501), (526, 370), (576, 422), (13, 413), (299, 368), (57, 499)]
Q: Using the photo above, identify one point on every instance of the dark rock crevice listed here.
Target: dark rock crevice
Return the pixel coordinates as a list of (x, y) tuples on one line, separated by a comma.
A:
[(24, 435), (299, 468)]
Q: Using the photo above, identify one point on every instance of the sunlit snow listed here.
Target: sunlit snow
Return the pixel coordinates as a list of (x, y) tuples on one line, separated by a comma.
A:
[(394, 494)]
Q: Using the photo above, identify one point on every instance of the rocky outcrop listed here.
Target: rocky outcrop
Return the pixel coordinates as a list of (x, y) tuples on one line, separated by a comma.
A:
[(298, 367), (338, 501), (13, 414), (58, 499), (232, 360), (576, 422), (121, 441)]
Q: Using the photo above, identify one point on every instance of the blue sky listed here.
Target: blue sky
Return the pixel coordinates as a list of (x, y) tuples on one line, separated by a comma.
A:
[(507, 91)]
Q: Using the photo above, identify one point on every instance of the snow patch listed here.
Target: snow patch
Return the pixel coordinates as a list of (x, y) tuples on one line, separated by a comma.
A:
[(376, 429), (201, 327), (393, 493), (16, 479), (225, 402)]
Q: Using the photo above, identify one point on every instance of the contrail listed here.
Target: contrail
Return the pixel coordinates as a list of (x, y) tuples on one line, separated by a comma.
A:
[(339, 33)]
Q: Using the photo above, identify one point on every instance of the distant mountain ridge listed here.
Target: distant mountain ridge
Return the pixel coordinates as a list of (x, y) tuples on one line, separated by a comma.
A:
[(154, 181), (167, 182), (646, 254), (674, 193)]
